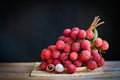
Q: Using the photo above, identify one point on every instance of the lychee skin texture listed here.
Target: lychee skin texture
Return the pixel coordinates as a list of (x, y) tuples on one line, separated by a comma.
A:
[(46, 54), (67, 48), (101, 62), (59, 68), (67, 40), (60, 44), (61, 38), (82, 34), (75, 47), (43, 66), (56, 61), (74, 34), (73, 56), (66, 32), (63, 56), (75, 29), (55, 54), (85, 55), (104, 45), (85, 44), (50, 61), (71, 69), (52, 47), (96, 55), (67, 63), (91, 65), (77, 63), (98, 42), (90, 34)]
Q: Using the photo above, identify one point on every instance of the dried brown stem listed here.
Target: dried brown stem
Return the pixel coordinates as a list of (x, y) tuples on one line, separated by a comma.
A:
[(95, 23)]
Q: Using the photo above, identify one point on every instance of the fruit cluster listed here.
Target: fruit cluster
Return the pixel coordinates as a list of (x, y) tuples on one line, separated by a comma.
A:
[(75, 48)]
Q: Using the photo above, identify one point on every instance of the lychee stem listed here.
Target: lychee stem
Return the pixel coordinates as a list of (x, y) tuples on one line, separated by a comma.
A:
[(95, 23)]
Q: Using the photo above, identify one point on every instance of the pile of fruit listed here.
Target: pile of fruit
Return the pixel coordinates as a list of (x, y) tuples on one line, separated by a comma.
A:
[(74, 49)]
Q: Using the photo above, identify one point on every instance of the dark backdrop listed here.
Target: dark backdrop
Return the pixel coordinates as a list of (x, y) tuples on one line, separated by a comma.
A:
[(26, 27)]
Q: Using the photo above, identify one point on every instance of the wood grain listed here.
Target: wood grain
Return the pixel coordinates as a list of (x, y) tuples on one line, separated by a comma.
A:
[(22, 71)]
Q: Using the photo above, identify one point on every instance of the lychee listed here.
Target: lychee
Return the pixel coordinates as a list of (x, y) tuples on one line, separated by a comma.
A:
[(73, 56), (43, 65), (63, 56), (71, 69), (91, 65)]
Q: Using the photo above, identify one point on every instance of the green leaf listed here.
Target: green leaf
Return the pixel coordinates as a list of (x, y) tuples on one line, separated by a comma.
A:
[(95, 35)]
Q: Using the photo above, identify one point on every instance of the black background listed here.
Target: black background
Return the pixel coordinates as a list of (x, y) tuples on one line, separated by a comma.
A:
[(26, 27)]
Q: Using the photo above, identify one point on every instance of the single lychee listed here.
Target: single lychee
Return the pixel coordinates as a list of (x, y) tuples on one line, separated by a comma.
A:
[(71, 69), (77, 63), (91, 65), (73, 56), (43, 65)]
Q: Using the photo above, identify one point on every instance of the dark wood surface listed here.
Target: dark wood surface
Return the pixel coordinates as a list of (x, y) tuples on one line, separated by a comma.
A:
[(22, 71)]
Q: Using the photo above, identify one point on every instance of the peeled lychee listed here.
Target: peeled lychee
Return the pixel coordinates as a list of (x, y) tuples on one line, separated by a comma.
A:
[(59, 68), (71, 69)]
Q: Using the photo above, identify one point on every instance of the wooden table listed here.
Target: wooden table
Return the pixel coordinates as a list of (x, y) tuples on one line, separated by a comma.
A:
[(22, 71)]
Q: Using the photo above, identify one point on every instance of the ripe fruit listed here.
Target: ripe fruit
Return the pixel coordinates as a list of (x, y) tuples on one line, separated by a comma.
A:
[(67, 63), (98, 42), (55, 54), (67, 32), (85, 44), (75, 47), (104, 45), (60, 44), (73, 56), (63, 56), (56, 61), (71, 69), (77, 63), (101, 62), (90, 34), (91, 65), (43, 65), (67, 48), (82, 34), (59, 68), (85, 55)]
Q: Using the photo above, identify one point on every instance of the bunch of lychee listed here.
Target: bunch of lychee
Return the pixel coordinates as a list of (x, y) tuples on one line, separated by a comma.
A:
[(75, 48)]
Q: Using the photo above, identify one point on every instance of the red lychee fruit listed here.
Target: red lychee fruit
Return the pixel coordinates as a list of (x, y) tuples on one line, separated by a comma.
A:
[(82, 34), (50, 61), (98, 42), (90, 34), (104, 45), (96, 56), (56, 61), (85, 44), (75, 29), (74, 34), (67, 32), (77, 63), (101, 62), (55, 54), (52, 47), (46, 54), (71, 69), (63, 56), (43, 66), (67, 48), (60, 44), (85, 55), (67, 40), (61, 38), (75, 47), (73, 56), (67, 63), (91, 65)]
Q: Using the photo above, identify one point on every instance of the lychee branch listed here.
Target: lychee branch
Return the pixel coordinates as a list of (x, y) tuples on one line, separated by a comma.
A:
[(95, 23)]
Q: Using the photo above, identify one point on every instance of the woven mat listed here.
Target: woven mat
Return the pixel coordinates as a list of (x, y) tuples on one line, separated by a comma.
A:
[(36, 72)]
